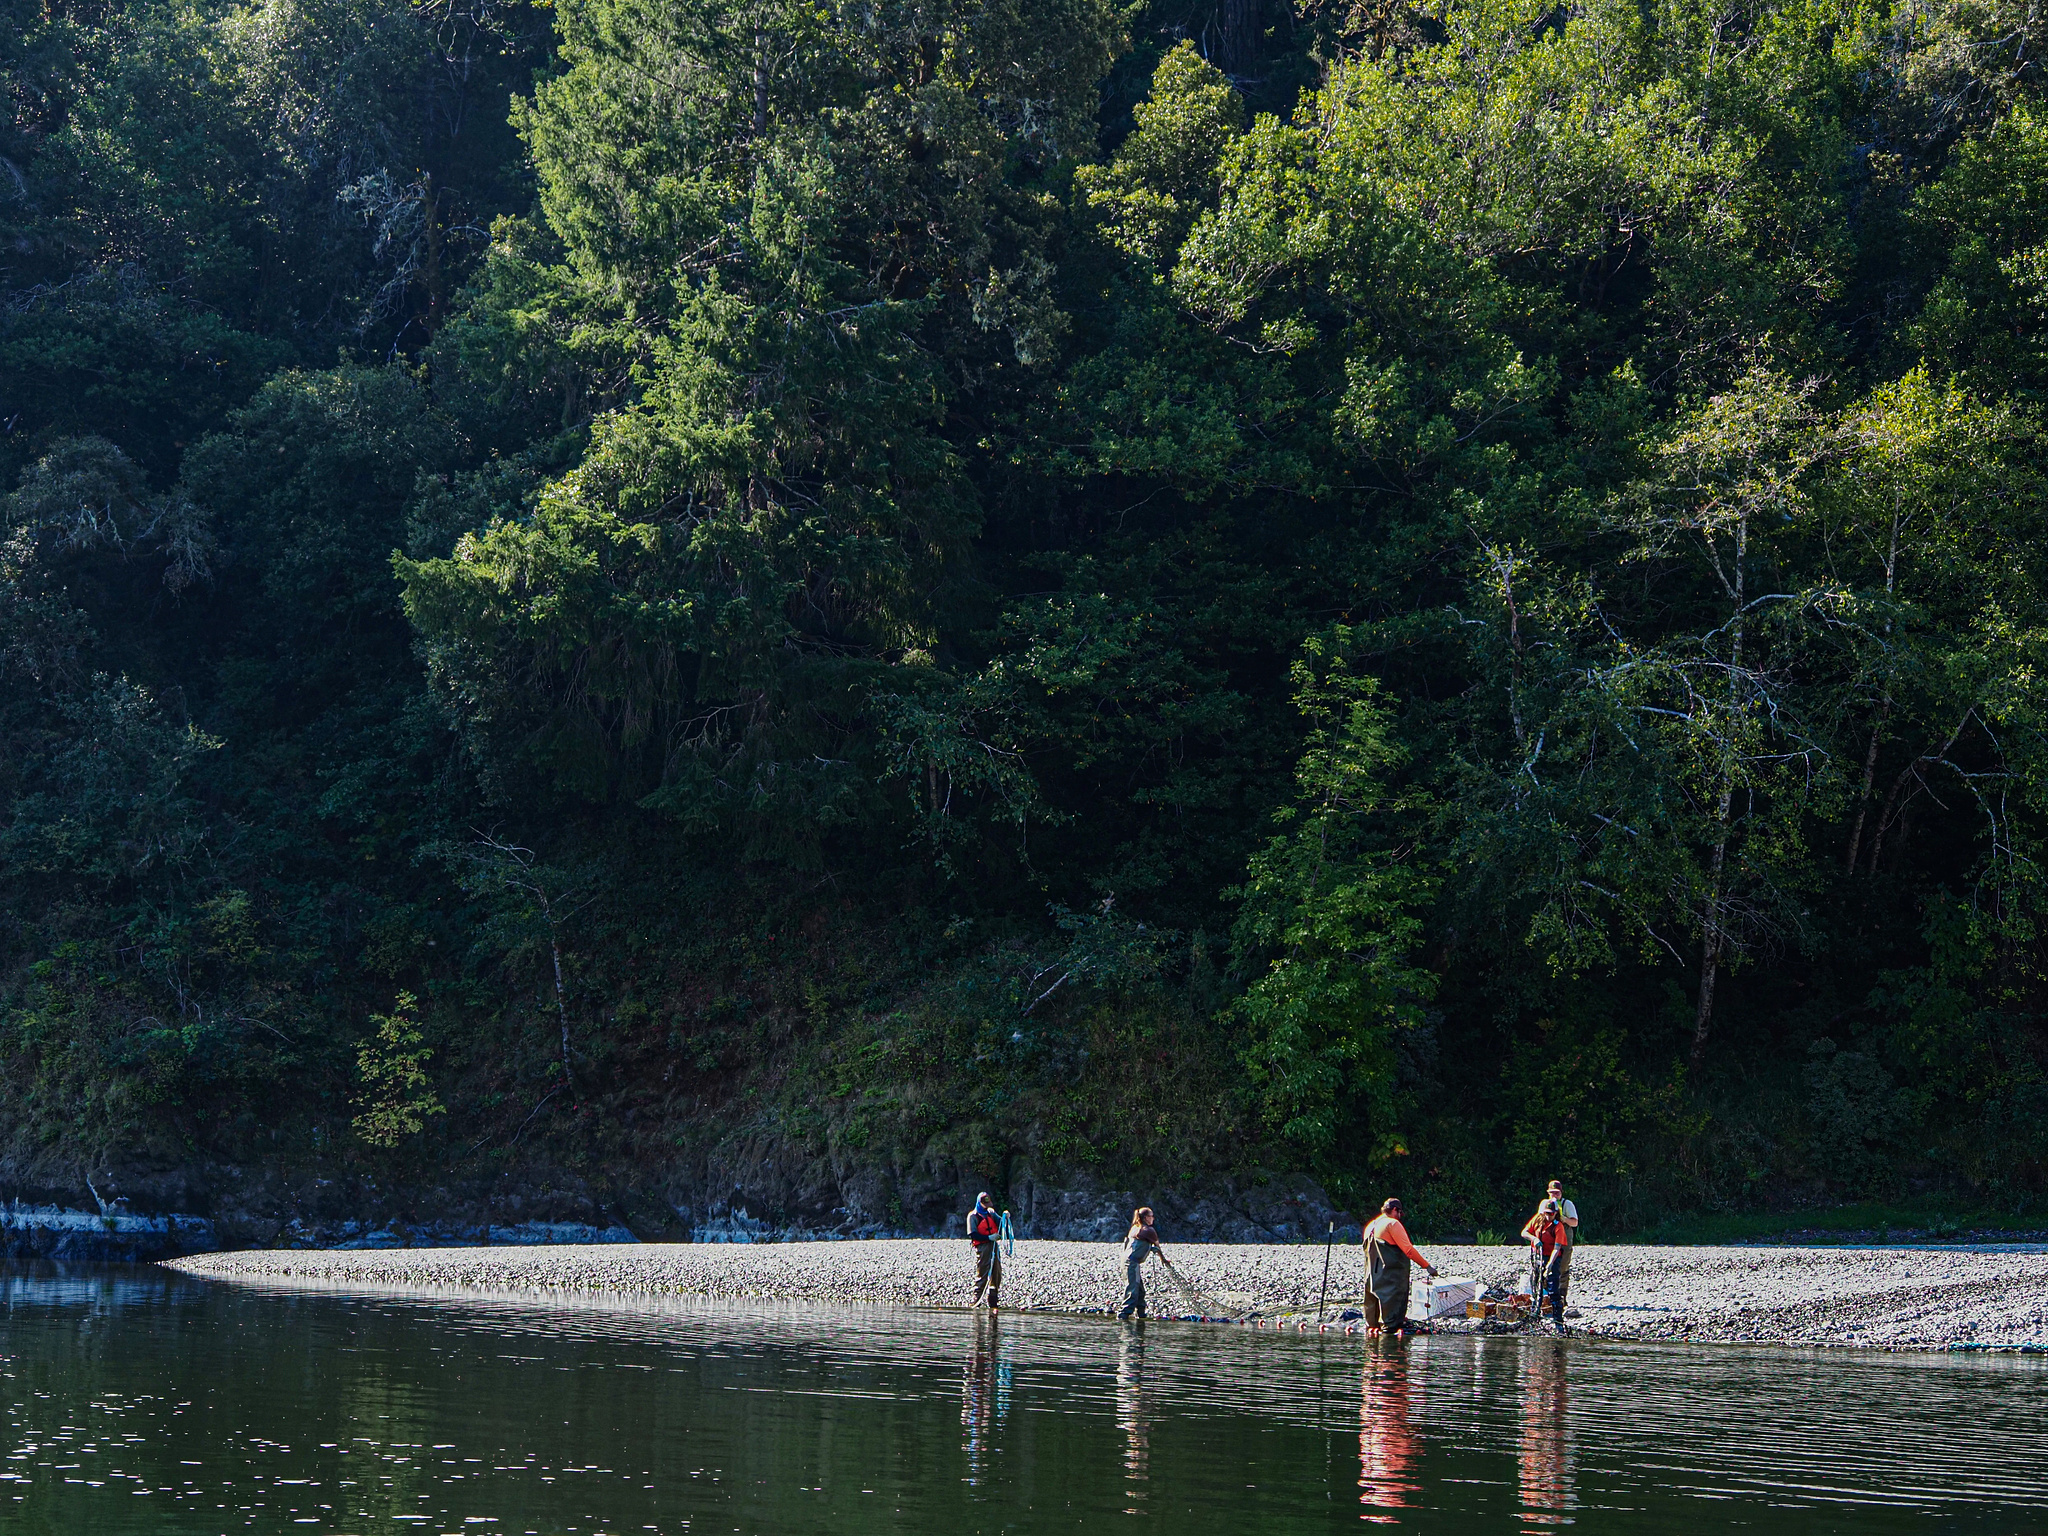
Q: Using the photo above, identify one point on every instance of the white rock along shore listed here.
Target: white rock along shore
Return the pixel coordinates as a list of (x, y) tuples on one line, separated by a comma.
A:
[(1879, 1298)]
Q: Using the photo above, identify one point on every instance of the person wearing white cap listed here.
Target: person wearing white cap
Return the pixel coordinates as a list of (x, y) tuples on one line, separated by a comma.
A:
[(1568, 1214)]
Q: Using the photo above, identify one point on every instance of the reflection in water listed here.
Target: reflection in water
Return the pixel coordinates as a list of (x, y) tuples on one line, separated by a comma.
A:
[(1388, 1446), (984, 1394), (1546, 1448), (1130, 1412)]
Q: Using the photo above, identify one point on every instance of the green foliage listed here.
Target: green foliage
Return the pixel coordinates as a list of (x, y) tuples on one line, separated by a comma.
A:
[(774, 523), (1573, 1110), (1858, 1113), (1988, 215), (786, 568), (1164, 174), (1963, 1042), (107, 805), (198, 195), (396, 1096), (1333, 898)]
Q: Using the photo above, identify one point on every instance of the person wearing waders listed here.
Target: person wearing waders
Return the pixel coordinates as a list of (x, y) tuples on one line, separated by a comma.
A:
[(1569, 1215), (984, 1226), (1550, 1247), (1388, 1253), (1140, 1243)]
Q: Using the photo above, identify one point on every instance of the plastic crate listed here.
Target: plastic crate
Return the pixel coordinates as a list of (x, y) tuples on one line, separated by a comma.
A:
[(1448, 1297)]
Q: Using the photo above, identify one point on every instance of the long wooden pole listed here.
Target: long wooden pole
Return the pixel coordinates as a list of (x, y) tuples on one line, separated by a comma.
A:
[(1324, 1300)]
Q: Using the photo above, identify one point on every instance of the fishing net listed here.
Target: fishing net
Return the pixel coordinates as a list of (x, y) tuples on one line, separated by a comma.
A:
[(1200, 1303)]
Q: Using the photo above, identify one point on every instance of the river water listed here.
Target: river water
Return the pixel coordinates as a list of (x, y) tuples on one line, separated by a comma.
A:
[(140, 1400)]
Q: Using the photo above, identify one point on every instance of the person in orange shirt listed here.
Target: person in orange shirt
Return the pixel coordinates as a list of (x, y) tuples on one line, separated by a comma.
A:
[(1387, 1256)]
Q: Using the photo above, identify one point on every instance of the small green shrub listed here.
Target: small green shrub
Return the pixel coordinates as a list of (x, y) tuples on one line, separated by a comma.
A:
[(396, 1098)]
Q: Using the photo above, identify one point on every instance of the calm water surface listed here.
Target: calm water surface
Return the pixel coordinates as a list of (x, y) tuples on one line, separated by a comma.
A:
[(143, 1401)]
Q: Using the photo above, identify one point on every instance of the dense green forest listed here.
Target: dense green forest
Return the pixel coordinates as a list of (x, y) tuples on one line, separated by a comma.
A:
[(1423, 595)]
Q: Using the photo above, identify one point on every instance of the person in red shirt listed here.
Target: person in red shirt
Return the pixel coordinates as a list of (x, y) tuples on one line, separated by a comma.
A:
[(1569, 1215), (1550, 1251), (984, 1228), (1388, 1253)]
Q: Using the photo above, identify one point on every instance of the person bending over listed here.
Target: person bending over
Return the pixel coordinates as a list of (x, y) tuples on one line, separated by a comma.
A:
[(1387, 1256), (1550, 1249), (1140, 1243), (1569, 1215), (983, 1228)]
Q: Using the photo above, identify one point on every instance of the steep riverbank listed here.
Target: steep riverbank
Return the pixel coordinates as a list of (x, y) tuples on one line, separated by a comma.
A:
[(1872, 1298)]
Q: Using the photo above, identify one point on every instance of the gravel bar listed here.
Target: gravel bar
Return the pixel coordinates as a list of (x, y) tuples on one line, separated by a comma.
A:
[(1987, 1297)]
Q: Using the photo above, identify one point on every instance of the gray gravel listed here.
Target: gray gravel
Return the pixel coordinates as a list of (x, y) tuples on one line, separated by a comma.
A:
[(1976, 1298)]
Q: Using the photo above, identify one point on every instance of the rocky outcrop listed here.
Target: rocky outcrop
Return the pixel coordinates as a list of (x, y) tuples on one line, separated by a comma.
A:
[(740, 1189), (765, 1190), (144, 1215), (29, 1232), (1224, 1209)]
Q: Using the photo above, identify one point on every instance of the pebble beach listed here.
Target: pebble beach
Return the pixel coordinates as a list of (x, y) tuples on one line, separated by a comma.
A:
[(1984, 1298)]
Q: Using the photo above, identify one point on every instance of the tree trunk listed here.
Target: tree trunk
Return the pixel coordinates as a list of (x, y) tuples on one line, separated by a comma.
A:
[(1507, 587), (1884, 713), (1891, 801), (561, 1006), (1710, 935), (760, 81), (1863, 795), (1231, 39), (1906, 773), (435, 282)]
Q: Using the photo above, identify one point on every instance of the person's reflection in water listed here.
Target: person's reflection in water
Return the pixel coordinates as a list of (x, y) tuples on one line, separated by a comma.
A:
[(984, 1393), (1546, 1449), (1130, 1413), (1388, 1446)]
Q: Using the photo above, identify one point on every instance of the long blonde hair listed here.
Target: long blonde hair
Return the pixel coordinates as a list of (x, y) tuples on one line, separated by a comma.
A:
[(1141, 1218)]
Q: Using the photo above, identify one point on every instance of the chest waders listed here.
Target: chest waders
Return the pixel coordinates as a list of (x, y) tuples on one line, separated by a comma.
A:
[(988, 1258), (1548, 1278), (1134, 1279), (1386, 1285)]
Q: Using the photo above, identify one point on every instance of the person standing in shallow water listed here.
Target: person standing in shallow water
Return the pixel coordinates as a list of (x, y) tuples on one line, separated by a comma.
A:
[(984, 1226), (1387, 1255), (1550, 1252), (1569, 1215), (1140, 1243)]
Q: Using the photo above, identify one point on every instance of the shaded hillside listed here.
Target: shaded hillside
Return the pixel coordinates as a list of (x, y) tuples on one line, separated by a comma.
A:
[(806, 610)]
